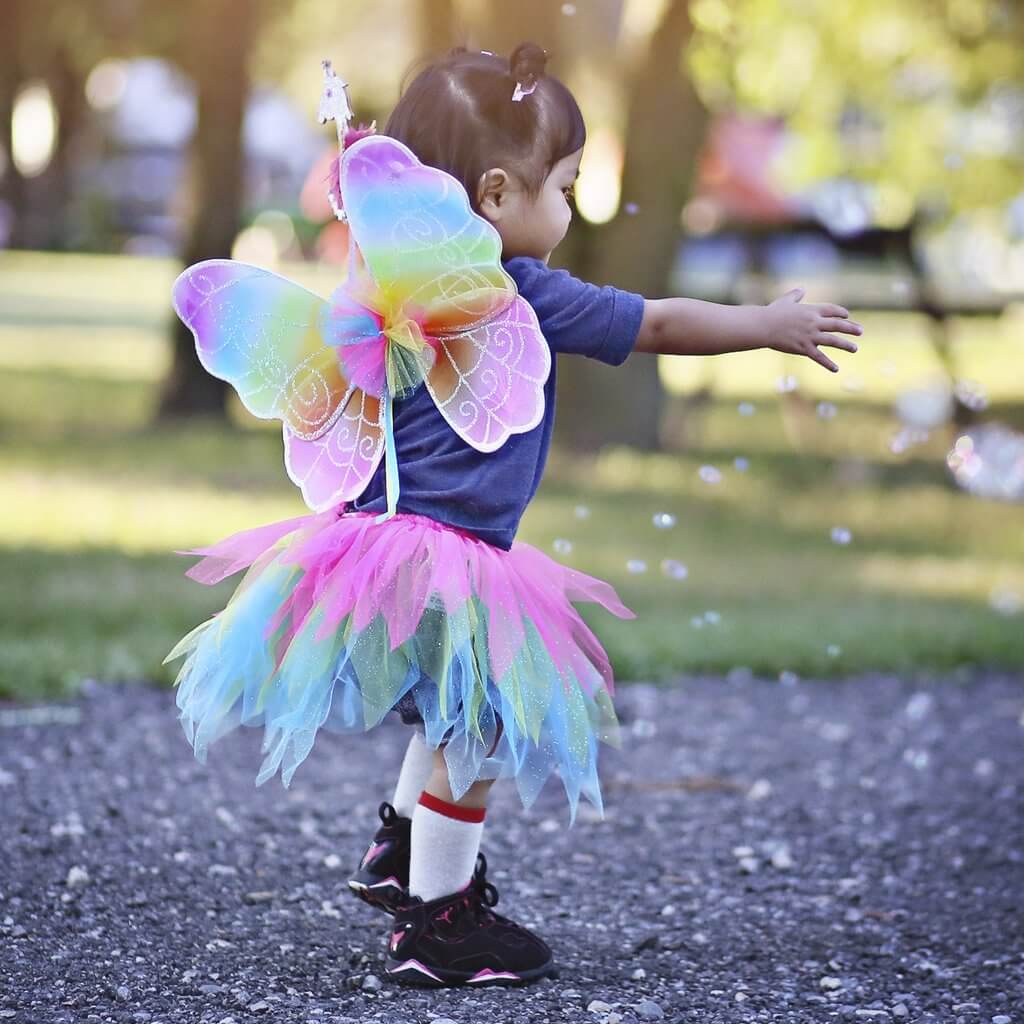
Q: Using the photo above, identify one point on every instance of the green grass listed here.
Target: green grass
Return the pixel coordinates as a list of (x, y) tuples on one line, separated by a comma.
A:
[(97, 499)]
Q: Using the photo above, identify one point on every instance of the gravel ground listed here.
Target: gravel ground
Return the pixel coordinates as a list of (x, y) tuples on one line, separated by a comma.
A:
[(772, 851)]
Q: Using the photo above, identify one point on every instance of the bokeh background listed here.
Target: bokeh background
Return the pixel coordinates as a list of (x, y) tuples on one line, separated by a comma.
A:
[(760, 514)]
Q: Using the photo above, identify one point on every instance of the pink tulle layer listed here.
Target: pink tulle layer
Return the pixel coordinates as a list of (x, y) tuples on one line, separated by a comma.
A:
[(401, 565)]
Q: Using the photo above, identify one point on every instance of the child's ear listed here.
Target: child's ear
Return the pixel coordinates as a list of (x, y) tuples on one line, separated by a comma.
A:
[(491, 193)]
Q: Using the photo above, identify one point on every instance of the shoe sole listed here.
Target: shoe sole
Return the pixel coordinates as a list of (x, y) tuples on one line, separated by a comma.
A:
[(412, 972), (385, 895)]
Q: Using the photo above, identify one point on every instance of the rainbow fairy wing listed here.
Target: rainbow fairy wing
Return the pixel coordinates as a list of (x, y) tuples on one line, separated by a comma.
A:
[(430, 256), (264, 335), (434, 260), (338, 465), (261, 333), (488, 382)]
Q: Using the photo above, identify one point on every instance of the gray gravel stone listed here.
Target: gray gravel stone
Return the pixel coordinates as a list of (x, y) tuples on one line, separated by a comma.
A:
[(204, 889)]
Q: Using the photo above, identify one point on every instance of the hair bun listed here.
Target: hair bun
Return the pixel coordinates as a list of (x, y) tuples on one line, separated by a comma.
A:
[(527, 63)]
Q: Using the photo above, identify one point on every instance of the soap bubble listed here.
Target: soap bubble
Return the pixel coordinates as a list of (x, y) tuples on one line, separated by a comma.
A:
[(840, 535), (787, 383), (710, 475), (788, 678), (925, 408), (674, 570), (1005, 601), (971, 394), (826, 411), (581, 512), (664, 520), (741, 463), (697, 622), (712, 618), (833, 650), (568, 10), (988, 460), (747, 408), (632, 209), (562, 546), (636, 565)]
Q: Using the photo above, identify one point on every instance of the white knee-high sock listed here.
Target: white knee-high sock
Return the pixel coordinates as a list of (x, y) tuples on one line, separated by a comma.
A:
[(417, 765), (445, 841)]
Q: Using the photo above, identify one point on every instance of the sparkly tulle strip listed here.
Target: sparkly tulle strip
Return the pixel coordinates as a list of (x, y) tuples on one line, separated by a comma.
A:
[(338, 617)]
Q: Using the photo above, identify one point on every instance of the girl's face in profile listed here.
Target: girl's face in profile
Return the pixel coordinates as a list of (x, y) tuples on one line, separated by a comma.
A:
[(528, 225)]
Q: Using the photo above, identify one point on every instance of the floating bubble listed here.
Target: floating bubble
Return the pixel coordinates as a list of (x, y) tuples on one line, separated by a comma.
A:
[(887, 369), (833, 650), (925, 408), (826, 411), (988, 461), (636, 565), (712, 618), (788, 678), (971, 394), (632, 209), (741, 463), (674, 570), (664, 520), (697, 622), (581, 512), (853, 384), (747, 408), (900, 286), (1005, 601), (906, 438), (568, 10), (787, 383), (840, 535), (710, 475), (562, 546)]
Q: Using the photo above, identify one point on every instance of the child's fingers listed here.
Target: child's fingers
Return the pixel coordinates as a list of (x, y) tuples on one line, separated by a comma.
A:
[(836, 342), (829, 309), (838, 324), (820, 357)]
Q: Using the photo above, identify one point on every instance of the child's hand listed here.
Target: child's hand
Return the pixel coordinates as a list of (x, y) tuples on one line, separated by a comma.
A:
[(799, 330)]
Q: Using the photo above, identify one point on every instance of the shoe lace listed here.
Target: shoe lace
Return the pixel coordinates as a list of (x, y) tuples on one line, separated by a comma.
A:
[(475, 900)]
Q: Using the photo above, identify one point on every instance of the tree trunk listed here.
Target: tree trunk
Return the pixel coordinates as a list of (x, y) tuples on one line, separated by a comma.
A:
[(666, 127), (436, 29), (222, 80), (12, 74)]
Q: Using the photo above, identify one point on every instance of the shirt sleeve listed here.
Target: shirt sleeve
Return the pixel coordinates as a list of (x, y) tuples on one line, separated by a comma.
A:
[(577, 317)]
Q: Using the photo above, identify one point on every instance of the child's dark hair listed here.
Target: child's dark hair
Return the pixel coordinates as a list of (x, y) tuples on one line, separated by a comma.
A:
[(458, 114)]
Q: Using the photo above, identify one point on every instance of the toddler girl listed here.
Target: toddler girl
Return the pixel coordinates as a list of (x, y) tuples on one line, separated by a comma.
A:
[(496, 672)]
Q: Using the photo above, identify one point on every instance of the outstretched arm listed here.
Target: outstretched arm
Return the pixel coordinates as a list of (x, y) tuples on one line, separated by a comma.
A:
[(693, 327)]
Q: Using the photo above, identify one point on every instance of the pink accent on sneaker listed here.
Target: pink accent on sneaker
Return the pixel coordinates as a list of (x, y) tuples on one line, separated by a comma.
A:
[(415, 965), (396, 938), (372, 852), (488, 975)]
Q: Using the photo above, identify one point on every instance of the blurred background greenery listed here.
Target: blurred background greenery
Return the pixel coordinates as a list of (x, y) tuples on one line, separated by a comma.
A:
[(757, 512)]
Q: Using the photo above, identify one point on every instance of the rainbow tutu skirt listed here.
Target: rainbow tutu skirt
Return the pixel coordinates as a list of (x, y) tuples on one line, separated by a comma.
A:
[(339, 618)]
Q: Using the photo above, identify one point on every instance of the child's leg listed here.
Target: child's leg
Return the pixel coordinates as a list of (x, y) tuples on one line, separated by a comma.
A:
[(445, 834), (417, 766)]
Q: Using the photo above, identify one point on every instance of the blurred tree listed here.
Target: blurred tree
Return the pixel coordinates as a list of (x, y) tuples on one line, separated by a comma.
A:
[(921, 103), (217, 58), (437, 27), (665, 128)]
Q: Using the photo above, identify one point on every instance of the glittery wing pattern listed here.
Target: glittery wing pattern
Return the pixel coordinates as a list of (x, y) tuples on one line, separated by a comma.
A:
[(263, 334), (431, 257), (437, 262), (338, 465), (488, 382)]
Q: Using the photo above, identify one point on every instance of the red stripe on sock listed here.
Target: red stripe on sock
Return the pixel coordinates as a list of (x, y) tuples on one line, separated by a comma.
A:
[(436, 804)]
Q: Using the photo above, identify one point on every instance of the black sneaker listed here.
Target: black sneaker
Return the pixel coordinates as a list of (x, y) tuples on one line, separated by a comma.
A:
[(383, 874), (459, 940)]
